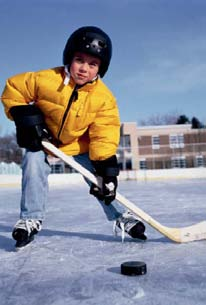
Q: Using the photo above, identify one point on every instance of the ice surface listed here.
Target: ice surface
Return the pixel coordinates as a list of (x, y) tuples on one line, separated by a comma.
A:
[(76, 259)]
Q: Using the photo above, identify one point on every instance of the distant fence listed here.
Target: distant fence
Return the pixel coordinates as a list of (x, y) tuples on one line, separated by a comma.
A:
[(9, 168)]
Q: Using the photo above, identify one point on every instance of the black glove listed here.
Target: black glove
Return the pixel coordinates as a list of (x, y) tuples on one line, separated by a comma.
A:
[(30, 126), (108, 170)]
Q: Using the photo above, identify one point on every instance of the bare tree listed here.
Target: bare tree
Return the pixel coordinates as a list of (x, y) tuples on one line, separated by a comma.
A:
[(9, 149), (160, 119)]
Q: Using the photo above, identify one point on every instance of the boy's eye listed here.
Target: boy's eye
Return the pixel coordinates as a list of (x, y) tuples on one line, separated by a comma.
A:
[(94, 64), (79, 59)]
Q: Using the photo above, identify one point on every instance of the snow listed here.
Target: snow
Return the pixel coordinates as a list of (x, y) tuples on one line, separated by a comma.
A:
[(76, 259), (140, 175)]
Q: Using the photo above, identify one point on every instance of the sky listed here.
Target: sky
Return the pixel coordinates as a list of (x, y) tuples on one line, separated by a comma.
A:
[(158, 65)]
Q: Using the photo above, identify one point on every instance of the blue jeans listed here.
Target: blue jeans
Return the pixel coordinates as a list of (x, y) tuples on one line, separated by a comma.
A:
[(35, 171)]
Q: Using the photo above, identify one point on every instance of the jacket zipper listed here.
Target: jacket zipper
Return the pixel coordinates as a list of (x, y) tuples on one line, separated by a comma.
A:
[(72, 98)]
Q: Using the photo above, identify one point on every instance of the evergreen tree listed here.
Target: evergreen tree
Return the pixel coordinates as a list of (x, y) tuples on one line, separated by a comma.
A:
[(183, 119)]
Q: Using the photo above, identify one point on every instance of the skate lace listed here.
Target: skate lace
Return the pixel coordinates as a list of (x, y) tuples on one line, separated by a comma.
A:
[(122, 227), (29, 225), (124, 223)]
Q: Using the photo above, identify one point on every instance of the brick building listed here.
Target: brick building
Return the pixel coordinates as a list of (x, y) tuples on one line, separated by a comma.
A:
[(160, 147)]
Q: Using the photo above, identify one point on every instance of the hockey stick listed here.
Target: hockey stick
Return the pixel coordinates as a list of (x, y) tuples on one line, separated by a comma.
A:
[(180, 235)]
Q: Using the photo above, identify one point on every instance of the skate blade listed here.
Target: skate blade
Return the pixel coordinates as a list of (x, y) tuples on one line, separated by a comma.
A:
[(20, 245)]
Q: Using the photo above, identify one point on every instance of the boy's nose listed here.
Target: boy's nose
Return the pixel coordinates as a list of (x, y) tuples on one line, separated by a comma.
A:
[(84, 67)]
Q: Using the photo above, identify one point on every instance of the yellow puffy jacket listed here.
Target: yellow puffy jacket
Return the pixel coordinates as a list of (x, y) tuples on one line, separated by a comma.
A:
[(92, 123)]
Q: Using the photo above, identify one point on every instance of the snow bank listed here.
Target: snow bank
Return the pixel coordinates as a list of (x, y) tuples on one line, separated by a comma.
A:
[(54, 179), (141, 175), (164, 174)]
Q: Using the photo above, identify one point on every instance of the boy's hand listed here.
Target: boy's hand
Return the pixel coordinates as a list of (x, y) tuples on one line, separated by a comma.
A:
[(107, 192), (108, 170), (30, 127)]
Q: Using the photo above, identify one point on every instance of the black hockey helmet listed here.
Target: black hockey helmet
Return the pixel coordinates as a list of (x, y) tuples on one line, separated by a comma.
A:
[(91, 40)]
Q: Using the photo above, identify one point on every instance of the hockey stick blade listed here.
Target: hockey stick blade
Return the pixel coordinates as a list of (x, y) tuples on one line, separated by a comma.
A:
[(179, 235)]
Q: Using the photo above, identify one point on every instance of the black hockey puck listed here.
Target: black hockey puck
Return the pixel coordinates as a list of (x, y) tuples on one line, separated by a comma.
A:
[(133, 268)]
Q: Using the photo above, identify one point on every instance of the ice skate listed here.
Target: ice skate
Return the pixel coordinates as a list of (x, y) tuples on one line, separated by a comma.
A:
[(130, 224), (24, 231)]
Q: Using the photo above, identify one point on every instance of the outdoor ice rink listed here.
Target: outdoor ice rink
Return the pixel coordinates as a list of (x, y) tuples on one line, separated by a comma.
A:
[(76, 259)]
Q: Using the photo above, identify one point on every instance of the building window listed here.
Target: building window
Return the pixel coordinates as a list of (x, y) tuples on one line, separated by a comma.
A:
[(143, 164), (155, 142), (177, 141), (179, 162), (199, 161), (124, 152), (57, 168), (125, 141)]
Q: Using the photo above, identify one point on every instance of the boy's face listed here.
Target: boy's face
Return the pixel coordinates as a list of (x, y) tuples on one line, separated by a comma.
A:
[(84, 68)]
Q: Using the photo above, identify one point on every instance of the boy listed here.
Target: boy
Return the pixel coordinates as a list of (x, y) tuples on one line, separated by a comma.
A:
[(72, 107)]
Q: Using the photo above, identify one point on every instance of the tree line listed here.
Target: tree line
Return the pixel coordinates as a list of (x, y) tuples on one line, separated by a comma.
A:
[(172, 119), (9, 149)]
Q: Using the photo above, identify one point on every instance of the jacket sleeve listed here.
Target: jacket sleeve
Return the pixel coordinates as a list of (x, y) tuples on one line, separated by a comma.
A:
[(19, 90), (104, 132)]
